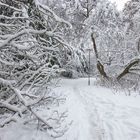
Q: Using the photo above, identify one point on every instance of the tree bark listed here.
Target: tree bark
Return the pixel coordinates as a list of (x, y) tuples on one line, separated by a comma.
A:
[(127, 68), (100, 66)]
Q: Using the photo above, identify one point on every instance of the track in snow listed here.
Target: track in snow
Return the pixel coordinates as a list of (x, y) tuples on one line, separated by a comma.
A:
[(98, 114)]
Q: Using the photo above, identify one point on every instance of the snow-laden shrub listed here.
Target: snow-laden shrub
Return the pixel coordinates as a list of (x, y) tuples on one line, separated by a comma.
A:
[(29, 41)]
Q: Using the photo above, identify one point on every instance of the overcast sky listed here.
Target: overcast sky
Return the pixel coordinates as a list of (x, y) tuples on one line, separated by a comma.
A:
[(120, 3)]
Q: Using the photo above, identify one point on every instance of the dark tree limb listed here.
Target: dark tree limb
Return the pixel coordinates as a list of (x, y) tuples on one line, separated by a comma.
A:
[(94, 46), (127, 68), (100, 66)]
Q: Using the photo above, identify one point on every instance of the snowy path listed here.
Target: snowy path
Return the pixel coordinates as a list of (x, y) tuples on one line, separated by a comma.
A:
[(98, 114)]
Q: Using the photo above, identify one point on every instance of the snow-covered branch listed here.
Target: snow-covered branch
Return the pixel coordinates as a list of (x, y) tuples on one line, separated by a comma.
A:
[(11, 7), (7, 25), (13, 18), (19, 34), (46, 8), (30, 56)]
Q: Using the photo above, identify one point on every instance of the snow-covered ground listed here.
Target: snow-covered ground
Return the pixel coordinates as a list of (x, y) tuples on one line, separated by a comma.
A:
[(94, 113), (99, 114)]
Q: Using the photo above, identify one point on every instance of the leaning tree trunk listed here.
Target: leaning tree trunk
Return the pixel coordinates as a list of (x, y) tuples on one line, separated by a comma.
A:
[(101, 69), (100, 66)]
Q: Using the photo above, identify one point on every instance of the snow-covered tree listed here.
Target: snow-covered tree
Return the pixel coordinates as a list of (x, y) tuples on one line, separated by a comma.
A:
[(31, 52)]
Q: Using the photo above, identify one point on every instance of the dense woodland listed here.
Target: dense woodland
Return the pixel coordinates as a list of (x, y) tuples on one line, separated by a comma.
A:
[(42, 40)]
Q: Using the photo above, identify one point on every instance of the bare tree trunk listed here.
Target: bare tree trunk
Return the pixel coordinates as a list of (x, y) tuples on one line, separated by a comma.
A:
[(94, 46), (100, 66)]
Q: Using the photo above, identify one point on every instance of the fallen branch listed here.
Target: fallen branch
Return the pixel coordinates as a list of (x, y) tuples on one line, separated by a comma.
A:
[(8, 120), (26, 105), (39, 118)]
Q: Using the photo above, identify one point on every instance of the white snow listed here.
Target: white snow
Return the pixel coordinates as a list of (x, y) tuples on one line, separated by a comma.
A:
[(20, 132), (94, 113), (99, 114)]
